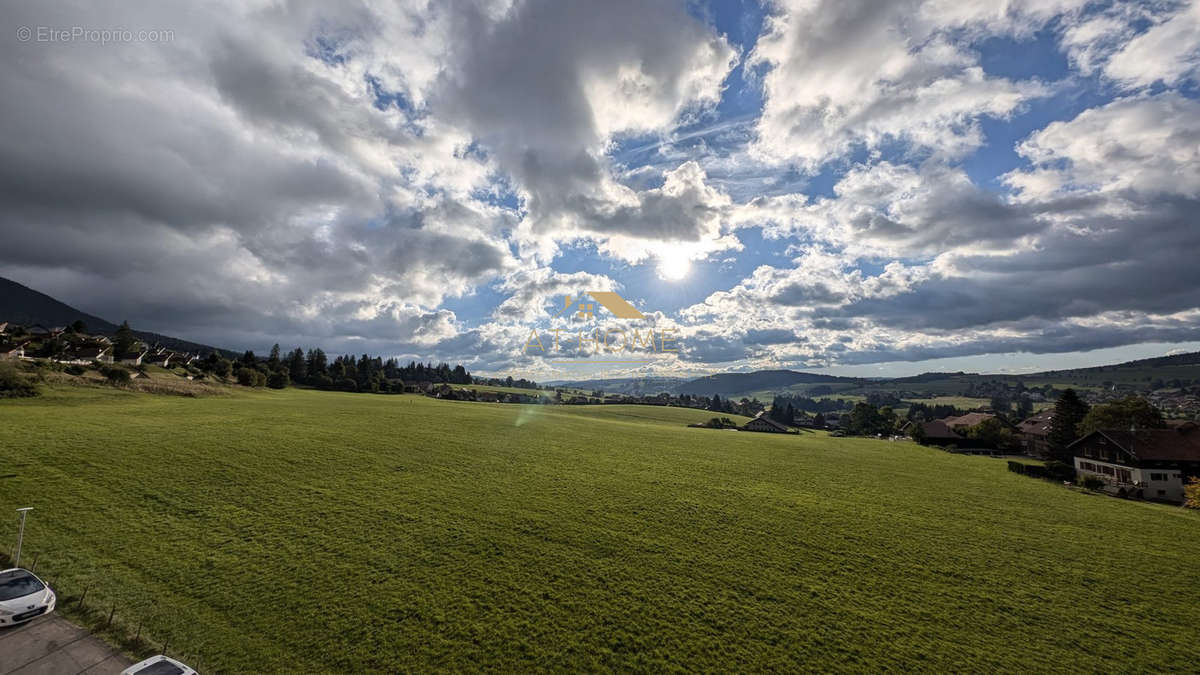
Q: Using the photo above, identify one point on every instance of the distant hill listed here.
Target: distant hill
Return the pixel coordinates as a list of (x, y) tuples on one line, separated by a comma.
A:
[(727, 384), (22, 305), (1140, 374), (624, 385), (1186, 359)]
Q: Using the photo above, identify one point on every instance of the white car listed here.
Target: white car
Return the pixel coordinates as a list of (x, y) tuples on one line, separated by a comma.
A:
[(23, 596), (158, 665)]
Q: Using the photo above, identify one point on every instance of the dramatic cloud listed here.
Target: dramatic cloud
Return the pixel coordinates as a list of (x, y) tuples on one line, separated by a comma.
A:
[(844, 182), (861, 73), (1137, 46), (897, 210)]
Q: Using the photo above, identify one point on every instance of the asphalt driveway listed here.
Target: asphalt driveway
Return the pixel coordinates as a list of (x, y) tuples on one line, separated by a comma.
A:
[(54, 646)]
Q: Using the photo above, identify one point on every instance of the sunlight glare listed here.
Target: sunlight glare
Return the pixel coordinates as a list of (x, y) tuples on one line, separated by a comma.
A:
[(674, 267)]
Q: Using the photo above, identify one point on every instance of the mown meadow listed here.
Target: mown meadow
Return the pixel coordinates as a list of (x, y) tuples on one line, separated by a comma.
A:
[(301, 531)]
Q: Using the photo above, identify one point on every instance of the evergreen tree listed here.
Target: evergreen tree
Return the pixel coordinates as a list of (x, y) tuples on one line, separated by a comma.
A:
[(273, 359), (1069, 412), (123, 341), (297, 366)]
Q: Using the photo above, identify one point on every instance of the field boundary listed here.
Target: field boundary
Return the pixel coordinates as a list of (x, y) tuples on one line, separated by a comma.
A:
[(120, 628)]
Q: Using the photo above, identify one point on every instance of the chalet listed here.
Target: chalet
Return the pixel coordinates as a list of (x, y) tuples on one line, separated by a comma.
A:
[(133, 360), (764, 423), (1144, 463), (1034, 433), (964, 422), (85, 354), (160, 358), (936, 432), (12, 351)]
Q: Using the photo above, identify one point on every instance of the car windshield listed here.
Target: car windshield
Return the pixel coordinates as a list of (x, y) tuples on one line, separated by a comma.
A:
[(18, 583), (161, 668)]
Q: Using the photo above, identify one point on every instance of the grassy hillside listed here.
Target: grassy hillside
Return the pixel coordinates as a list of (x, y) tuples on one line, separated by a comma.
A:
[(300, 531)]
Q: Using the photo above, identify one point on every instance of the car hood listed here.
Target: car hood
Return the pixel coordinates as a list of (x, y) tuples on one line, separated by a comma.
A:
[(21, 604)]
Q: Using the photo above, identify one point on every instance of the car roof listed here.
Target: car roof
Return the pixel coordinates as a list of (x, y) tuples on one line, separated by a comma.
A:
[(18, 569), (158, 658)]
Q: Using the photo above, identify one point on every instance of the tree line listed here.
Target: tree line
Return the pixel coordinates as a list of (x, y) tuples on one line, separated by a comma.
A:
[(344, 373)]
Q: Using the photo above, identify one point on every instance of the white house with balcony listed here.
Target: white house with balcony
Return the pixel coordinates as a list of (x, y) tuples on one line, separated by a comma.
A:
[(1142, 463)]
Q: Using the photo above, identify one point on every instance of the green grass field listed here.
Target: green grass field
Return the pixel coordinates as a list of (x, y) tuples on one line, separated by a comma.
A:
[(302, 531), (960, 402)]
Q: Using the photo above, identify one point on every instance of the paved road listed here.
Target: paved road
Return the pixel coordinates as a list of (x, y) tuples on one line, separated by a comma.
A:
[(54, 646)]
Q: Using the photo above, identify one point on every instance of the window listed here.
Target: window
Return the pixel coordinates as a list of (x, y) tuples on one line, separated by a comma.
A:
[(18, 583), (1124, 475), (1158, 476)]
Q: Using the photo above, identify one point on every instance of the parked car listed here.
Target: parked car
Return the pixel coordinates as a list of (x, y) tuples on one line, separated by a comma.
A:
[(23, 596), (158, 665)]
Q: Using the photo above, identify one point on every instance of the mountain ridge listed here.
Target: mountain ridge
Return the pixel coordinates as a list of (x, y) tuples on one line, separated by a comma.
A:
[(25, 306)]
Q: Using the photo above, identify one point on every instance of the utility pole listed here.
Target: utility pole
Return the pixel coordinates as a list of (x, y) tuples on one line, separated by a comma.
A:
[(21, 533)]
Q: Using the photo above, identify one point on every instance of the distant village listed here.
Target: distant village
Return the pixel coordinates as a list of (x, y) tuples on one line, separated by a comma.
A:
[(72, 345)]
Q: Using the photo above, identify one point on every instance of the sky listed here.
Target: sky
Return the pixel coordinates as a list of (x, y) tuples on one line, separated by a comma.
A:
[(847, 186)]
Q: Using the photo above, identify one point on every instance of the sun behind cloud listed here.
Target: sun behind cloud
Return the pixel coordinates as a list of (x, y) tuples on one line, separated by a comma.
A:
[(674, 266)]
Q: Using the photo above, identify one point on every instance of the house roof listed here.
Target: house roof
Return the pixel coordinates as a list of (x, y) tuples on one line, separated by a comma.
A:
[(769, 421), (1182, 444), (1037, 425), (937, 429), (88, 352), (968, 420)]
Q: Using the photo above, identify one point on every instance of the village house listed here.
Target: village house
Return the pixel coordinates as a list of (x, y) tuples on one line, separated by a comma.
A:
[(161, 358), (12, 351), (1144, 463), (1034, 433), (764, 423), (937, 432), (964, 422), (134, 360), (85, 354)]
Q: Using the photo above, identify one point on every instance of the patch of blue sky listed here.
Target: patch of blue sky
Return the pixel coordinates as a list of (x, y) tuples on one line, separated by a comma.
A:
[(327, 49)]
